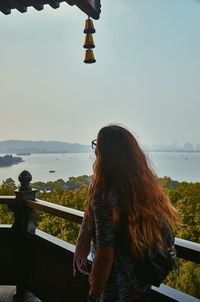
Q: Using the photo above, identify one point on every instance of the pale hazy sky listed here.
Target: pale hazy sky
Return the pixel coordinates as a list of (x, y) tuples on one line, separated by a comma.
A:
[(147, 74)]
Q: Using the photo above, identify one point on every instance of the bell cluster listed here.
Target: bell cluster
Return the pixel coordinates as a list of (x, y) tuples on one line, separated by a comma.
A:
[(89, 42)]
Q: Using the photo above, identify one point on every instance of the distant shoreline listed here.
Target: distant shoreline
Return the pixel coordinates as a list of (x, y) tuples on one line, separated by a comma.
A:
[(57, 147), (61, 152), (175, 151), (44, 152)]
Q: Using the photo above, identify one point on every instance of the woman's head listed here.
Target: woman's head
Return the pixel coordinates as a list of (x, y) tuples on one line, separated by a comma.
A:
[(122, 165), (118, 156)]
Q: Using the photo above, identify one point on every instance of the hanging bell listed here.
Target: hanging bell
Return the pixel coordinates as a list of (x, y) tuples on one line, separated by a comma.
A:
[(89, 27), (89, 56), (89, 42)]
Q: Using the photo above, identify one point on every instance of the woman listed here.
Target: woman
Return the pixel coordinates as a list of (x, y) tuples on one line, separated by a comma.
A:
[(129, 211)]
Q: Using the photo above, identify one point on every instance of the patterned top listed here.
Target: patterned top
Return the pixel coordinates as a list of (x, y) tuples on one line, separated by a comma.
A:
[(122, 278)]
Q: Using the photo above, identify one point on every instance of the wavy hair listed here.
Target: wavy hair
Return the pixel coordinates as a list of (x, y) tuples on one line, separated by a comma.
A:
[(122, 165)]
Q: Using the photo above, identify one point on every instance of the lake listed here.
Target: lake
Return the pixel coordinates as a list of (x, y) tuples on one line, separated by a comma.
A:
[(181, 166)]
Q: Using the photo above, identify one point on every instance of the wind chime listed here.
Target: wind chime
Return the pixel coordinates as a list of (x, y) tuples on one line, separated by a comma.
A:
[(89, 42)]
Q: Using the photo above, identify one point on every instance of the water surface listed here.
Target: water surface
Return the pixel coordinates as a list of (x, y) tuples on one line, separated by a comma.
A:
[(181, 166)]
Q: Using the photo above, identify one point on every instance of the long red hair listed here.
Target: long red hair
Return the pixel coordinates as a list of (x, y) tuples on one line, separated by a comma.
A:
[(122, 165)]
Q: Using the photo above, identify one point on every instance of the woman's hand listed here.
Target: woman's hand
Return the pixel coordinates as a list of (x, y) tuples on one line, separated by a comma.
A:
[(101, 269)]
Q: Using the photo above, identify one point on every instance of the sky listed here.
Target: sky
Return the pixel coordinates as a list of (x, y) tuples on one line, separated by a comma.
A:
[(146, 77)]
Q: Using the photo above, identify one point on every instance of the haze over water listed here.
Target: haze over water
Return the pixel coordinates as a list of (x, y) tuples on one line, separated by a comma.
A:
[(181, 166)]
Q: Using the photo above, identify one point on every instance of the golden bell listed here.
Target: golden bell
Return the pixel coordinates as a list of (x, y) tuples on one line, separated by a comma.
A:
[(89, 56), (89, 43), (89, 27)]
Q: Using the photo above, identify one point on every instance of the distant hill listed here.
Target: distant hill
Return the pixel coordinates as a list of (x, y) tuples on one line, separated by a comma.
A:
[(25, 146), (9, 160)]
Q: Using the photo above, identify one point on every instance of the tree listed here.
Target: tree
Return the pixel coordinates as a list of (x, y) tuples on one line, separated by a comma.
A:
[(7, 189)]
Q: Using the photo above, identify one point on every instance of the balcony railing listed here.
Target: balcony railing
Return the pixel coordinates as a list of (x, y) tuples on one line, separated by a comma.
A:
[(42, 264)]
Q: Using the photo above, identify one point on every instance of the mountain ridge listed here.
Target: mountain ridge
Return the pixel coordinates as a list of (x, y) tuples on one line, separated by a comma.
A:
[(41, 146)]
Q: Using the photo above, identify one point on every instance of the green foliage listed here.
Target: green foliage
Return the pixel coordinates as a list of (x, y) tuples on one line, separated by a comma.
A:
[(6, 216), (186, 279), (74, 194), (49, 185), (59, 227), (78, 182), (6, 189), (186, 197), (73, 183), (76, 199)]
